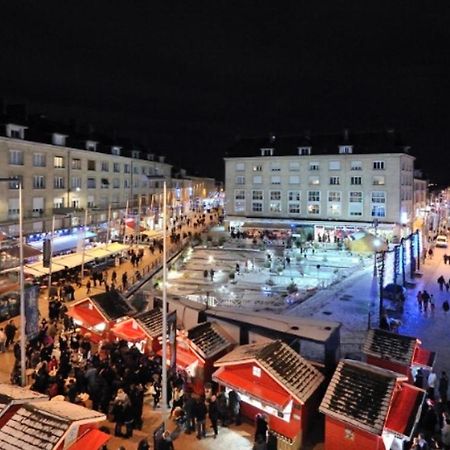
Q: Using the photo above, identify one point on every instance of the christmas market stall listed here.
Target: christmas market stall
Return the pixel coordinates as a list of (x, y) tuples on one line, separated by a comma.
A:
[(367, 407), (272, 379), (14, 396), (98, 314), (402, 354), (51, 425)]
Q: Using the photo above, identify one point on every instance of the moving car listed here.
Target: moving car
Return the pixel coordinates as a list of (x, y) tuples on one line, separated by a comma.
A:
[(394, 292), (442, 241)]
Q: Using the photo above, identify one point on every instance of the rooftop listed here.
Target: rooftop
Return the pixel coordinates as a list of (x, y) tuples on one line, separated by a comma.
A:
[(286, 366), (360, 394), (151, 321), (209, 339), (112, 305)]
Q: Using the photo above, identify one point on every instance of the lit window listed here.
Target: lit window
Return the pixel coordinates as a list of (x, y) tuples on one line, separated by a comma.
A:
[(58, 162)]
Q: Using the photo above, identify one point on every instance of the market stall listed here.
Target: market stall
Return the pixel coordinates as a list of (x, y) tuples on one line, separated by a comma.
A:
[(367, 407), (14, 396), (273, 379), (402, 354), (98, 314)]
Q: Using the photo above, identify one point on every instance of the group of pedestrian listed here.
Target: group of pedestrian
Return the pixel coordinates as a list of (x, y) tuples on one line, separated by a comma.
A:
[(425, 301)]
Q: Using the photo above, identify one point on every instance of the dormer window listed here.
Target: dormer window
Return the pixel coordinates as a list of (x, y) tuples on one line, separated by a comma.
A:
[(15, 131), (345, 149), (91, 146), (135, 154), (304, 151), (59, 139), (267, 152), (115, 150)]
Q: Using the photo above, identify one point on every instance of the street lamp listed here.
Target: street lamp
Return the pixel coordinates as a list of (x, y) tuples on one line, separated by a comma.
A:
[(21, 280)]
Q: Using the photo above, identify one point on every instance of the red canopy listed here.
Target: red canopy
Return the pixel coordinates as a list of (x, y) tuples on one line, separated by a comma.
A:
[(91, 440), (276, 398), (129, 330), (402, 416), (184, 357), (423, 358), (89, 317)]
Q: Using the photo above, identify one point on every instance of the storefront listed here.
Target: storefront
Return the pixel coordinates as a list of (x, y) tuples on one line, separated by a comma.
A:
[(273, 379), (367, 407), (402, 354)]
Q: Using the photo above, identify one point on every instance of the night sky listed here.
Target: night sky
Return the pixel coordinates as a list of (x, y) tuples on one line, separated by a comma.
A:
[(187, 78)]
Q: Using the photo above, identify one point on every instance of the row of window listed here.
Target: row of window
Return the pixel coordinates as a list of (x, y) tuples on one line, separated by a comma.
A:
[(294, 166), (16, 158), (312, 196), (59, 182), (377, 180), (302, 151)]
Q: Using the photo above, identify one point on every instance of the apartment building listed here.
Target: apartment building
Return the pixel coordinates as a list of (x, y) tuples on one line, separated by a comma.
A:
[(65, 178), (327, 182)]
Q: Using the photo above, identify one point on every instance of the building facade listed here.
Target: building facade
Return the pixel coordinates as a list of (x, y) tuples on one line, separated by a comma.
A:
[(291, 181)]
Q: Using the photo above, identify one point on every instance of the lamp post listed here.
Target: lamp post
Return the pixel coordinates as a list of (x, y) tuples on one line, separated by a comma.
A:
[(21, 281)]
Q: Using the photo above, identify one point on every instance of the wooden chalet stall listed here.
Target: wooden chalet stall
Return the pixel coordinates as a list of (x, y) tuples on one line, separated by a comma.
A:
[(12, 396), (274, 379), (51, 425), (370, 408), (402, 354), (98, 314)]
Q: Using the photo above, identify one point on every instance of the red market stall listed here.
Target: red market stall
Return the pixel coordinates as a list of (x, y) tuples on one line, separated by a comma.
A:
[(13, 396), (50, 425), (272, 378), (368, 407), (402, 354), (93, 439), (98, 314)]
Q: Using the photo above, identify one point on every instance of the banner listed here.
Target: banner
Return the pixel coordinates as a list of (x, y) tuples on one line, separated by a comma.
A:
[(31, 298)]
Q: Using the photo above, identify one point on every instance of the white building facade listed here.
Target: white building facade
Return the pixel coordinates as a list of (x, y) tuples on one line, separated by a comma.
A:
[(291, 184)]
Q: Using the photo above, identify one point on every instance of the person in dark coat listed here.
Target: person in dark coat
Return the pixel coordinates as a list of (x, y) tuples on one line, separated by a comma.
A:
[(166, 442), (143, 445), (443, 387), (261, 427), (136, 394), (200, 412), (213, 413), (10, 331)]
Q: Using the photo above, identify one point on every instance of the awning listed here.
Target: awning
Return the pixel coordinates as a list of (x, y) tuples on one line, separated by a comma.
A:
[(423, 358), (129, 330), (92, 440), (276, 398), (267, 225), (405, 410), (184, 357), (87, 316)]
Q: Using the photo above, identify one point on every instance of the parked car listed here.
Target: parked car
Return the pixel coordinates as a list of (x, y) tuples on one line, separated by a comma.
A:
[(394, 292), (442, 241)]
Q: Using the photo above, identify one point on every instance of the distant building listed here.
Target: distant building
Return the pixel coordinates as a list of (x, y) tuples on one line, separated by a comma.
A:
[(324, 183)]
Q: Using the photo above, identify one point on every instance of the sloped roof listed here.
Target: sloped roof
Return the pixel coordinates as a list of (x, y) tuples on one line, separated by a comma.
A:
[(360, 394), (41, 425), (151, 322), (321, 144), (287, 367), (390, 346), (11, 394), (208, 339), (112, 304)]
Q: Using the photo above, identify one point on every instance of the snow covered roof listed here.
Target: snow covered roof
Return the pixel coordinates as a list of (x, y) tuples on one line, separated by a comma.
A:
[(69, 411), (306, 328), (361, 395), (11, 394), (390, 346), (208, 339), (282, 363), (151, 322)]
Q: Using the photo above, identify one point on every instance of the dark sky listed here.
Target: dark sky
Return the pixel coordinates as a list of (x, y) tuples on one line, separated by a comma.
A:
[(188, 77)]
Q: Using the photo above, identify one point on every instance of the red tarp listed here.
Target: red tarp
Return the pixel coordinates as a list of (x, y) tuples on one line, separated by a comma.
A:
[(423, 358), (404, 409), (129, 330), (92, 440), (277, 399), (87, 316), (184, 357)]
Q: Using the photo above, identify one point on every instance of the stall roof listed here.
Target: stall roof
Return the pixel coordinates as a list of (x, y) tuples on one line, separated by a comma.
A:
[(208, 339), (300, 378), (424, 358), (11, 394), (42, 425), (151, 322), (390, 346), (184, 357), (129, 330), (91, 440), (405, 410), (360, 394), (305, 328), (112, 305), (86, 315)]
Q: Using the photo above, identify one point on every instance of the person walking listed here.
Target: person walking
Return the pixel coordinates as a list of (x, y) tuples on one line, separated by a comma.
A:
[(213, 413), (443, 387), (10, 331), (431, 381), (2, 341), (419, 300), (425, 300), (441, 281), (445, 306), (88, 287), (200, 412)]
